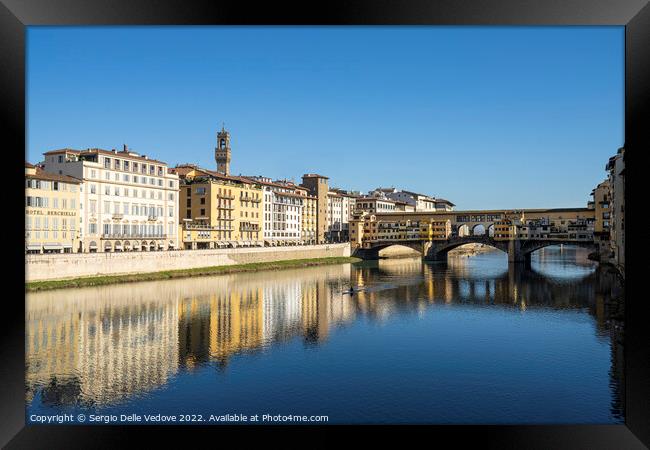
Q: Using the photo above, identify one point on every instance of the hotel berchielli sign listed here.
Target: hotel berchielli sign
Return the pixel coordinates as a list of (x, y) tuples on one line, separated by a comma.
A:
[(37, 212)]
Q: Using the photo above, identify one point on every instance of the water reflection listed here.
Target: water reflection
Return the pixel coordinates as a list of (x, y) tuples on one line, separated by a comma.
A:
[(110, 346)]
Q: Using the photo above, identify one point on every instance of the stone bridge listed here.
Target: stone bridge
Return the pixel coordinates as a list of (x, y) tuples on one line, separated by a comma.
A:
[(518, 250)]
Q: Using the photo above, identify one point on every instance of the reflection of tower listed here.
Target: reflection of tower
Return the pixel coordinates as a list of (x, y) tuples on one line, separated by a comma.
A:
[(222, 152)]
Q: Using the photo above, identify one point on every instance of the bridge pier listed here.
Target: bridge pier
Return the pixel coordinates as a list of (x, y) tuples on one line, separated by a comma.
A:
[(516, 254)]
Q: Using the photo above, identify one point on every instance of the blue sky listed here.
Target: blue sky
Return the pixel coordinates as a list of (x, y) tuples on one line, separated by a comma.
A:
[(487, 117)]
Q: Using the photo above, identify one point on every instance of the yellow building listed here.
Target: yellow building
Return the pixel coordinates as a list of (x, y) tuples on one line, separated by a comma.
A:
[(309, 224), (51, 212), (366, 229), (505, 229), (218, 210)]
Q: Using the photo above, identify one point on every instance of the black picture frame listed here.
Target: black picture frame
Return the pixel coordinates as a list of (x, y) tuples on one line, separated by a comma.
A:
[(15, 15)]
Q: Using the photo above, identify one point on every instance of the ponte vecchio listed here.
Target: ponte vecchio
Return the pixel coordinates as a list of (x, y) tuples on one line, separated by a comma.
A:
[(518, 232)]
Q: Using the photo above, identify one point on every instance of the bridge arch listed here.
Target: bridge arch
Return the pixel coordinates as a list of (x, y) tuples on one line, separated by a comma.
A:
[(372, 252), (478, 230), (529, 247), (439, 250)]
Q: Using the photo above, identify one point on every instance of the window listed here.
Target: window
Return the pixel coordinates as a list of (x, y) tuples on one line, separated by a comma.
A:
[(202, 212), (107, 163), (60, 158), (117, 164), (126, 165)]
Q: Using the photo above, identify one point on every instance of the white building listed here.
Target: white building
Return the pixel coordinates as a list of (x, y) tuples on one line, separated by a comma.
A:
[(419, 202), (282, 212), (375, 205), (128, 202)]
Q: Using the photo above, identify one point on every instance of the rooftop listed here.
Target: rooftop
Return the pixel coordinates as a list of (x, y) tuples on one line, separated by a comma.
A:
[(314, 175), (40, 174), (91, 151)]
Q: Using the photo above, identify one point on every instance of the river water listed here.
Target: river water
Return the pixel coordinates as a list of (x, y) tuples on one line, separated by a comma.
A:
[(469, 341)]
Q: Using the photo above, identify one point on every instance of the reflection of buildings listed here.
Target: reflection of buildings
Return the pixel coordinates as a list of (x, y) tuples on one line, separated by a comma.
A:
[(98, 346), (100, 350), (101, 345)]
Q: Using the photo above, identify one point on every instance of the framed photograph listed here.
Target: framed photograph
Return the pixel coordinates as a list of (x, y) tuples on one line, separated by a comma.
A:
[(245, 218)]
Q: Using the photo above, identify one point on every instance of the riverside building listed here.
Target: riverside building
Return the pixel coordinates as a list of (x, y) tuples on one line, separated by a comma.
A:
[(128, 202), (318, 187), (219, 211), (284, 203), (51, 212), (616, 168)]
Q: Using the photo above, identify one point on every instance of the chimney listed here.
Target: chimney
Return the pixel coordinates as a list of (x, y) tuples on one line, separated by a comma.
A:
[(125, 147)]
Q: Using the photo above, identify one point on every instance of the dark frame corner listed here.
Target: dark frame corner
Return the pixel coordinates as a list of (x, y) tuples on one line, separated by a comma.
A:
[(16, 15)]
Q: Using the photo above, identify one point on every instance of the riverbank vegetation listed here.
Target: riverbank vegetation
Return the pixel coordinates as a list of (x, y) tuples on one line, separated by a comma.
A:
[(184, 273)]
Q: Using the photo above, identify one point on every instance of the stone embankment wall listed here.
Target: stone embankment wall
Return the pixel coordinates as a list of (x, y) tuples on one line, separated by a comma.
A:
[(75, 265)]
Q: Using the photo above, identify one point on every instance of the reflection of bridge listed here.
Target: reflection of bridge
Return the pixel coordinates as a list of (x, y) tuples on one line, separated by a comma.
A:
[(518, 250)]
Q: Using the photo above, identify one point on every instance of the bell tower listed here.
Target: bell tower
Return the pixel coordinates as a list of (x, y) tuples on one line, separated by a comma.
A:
[(222, 152)]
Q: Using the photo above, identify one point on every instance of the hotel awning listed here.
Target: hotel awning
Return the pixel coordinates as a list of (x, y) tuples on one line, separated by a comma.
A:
[(52, 246), (34, 247)]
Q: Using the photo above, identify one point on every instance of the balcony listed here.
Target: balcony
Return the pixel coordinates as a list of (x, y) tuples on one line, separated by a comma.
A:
[(208, 228), (228, 207), (243, 228), (226, 196), (118, 216), (153, 218), (132, 236)]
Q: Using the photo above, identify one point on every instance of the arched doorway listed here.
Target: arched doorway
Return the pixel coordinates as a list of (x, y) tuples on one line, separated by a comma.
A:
[(108, 247), (491, 230), (478, 230)]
